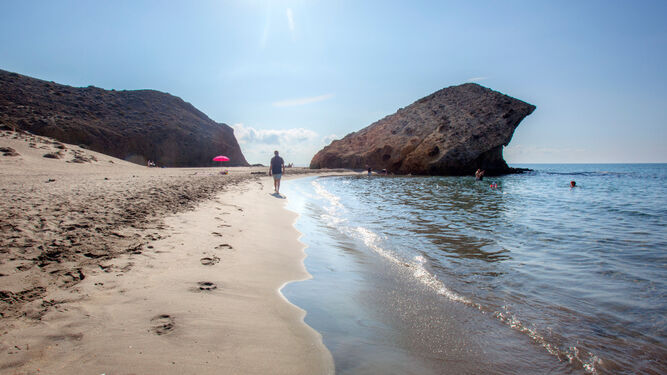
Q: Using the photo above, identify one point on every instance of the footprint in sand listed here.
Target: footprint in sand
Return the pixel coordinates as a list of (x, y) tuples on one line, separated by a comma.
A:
[(216, 234), (162, 324), (209, 261), (224, 245), (205, 286), (69, 278)]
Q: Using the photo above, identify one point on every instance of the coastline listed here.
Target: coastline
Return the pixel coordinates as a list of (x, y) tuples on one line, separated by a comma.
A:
[(451, 275), (110, 267), (379, 313)]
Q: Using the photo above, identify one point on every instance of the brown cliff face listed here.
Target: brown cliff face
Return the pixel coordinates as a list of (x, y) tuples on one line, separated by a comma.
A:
[(136, 125), (453, 131)]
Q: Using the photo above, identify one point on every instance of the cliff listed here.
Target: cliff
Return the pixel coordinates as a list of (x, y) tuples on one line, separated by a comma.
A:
[(453, 131), (137, 125)]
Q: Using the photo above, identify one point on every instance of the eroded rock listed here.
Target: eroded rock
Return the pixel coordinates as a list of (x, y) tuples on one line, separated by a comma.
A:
[(453, 131), (135, 125)]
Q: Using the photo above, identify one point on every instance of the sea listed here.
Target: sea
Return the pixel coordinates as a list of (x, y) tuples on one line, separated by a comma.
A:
[(450, 275)]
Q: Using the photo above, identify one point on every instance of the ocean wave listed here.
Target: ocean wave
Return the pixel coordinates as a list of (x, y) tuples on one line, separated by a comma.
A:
[(573, 355), (372, 241), (331, 216), (333, 199), (589, 362)]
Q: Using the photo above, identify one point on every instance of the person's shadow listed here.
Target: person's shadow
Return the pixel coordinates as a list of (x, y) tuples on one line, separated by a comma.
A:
[(277, 195)]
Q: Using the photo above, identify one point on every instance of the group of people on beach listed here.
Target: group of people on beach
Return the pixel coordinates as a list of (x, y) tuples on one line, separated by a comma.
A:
[(479, 176), (277, 169)]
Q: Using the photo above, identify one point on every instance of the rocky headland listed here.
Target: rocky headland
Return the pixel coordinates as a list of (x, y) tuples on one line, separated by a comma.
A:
[(453, 131), (136, 126)]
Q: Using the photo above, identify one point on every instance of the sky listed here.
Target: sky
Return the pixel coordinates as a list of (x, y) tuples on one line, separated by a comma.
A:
[(294, 75)]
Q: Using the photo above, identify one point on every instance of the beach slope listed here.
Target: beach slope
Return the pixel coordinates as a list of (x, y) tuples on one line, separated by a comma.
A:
[(189, 286)]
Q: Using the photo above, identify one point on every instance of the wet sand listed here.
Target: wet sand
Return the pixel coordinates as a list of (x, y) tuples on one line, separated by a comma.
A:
[(110, 267)]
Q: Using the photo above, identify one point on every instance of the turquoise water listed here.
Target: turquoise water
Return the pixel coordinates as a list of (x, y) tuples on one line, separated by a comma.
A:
[(448, 275)]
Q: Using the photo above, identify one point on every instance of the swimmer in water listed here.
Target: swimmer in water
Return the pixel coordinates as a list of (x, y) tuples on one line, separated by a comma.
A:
[(479, 174), (573, 184)]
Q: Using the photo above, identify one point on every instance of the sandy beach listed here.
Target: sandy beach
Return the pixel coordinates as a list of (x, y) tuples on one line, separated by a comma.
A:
[(111, 267)]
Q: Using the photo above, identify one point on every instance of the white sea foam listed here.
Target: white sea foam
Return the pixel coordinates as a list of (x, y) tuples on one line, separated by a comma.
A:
[(333, 199), (434, 283), (332, 211), (372, 240), (587, 360)]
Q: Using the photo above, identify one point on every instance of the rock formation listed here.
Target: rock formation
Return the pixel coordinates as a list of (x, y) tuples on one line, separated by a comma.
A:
[(453, 131), (136, 125)]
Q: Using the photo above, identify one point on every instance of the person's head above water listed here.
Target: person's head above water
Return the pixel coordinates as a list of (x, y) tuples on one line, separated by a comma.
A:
[(573, 184)]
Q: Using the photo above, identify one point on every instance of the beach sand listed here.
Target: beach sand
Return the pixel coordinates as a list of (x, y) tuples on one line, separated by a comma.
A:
[(111, 267)]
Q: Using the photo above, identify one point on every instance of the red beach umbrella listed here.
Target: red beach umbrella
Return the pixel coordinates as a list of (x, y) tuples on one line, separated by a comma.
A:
[(221, 158)]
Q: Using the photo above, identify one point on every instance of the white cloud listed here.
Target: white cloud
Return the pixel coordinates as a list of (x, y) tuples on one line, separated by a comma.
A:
[(477, 79), (297, 145), (246, 134), (301, 101)]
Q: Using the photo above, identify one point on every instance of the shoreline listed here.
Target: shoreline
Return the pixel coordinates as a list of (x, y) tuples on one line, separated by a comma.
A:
[(387, 254), (111, 267), (379, 315)]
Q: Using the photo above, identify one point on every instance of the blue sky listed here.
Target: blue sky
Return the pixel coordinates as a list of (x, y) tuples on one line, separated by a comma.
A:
[(292, 75)]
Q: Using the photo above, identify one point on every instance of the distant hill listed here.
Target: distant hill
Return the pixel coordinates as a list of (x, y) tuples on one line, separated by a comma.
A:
[(453, 131), (137, 125)]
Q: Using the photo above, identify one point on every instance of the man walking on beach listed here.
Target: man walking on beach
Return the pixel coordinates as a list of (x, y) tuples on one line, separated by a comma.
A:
[(277, 169)]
